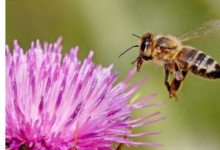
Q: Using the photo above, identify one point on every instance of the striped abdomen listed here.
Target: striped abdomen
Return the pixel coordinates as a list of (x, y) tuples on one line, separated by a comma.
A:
[(199, 63)]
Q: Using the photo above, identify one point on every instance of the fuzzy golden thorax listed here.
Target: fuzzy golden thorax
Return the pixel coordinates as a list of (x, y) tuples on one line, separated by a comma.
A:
[(162, 48)]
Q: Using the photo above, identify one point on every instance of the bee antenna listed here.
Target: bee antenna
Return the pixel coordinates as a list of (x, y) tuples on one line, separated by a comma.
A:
[(127, 50), (136, 35)]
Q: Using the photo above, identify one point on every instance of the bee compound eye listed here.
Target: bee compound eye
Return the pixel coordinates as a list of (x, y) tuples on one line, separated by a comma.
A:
[(144, 45), (147, 43)]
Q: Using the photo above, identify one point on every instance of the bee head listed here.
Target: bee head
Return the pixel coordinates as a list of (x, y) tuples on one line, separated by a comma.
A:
[(144, 43)]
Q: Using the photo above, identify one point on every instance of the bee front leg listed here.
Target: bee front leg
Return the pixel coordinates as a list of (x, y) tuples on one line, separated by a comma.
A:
[(135, 60), (139, 63)]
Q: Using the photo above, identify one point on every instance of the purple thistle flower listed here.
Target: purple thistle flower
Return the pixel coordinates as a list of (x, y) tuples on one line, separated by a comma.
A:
[(68, 105)]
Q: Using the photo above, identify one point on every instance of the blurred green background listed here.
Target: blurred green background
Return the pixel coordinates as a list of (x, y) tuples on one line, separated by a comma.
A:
[(193, 122)]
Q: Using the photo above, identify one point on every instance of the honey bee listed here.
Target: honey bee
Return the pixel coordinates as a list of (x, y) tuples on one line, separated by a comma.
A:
[(177, 58)]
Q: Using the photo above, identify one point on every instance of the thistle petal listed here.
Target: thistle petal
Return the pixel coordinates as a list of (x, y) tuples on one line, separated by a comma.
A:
[(54, 104)]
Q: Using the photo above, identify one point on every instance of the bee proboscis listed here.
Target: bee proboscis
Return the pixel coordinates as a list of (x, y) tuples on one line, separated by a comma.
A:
[(177, 58)]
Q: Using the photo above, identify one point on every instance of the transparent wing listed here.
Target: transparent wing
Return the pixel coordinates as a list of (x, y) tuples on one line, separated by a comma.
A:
[(206, 29)]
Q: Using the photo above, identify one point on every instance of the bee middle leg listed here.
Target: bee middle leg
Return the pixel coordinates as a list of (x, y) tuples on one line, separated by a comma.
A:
[(175, 84), (167, 84)]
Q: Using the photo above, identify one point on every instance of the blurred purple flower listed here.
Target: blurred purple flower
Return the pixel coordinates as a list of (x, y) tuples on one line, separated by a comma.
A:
[(54, 105)]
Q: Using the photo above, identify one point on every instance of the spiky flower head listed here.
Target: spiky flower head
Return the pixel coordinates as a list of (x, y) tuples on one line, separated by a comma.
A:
[(65, 104)]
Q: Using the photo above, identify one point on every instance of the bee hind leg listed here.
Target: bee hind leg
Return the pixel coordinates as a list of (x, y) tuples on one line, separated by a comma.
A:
[(176, 83)]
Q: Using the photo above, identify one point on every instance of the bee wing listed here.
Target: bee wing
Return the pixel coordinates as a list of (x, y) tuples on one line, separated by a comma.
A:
[(206, 29)]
